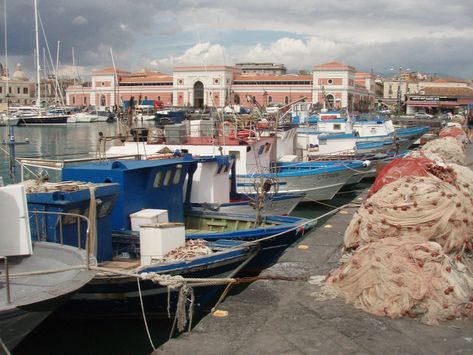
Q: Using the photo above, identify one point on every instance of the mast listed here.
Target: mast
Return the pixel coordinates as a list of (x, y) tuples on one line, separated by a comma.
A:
[(38, 78), (6, 57), (115, 86), (11, 134)]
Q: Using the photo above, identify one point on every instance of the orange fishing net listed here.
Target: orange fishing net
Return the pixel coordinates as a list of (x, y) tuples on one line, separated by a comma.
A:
[(454, 132)]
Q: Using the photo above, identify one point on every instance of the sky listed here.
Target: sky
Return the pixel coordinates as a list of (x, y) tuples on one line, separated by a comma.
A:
[(430, 36)]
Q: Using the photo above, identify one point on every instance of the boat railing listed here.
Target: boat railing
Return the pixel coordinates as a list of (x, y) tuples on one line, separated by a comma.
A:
[(40, 225), (59, 164)]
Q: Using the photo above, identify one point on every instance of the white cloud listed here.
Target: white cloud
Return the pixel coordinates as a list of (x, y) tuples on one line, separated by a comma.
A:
[(200, 54), (80, 20)]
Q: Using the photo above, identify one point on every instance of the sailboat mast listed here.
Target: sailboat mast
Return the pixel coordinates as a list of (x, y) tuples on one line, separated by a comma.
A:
[(7, 74), (38, 78)]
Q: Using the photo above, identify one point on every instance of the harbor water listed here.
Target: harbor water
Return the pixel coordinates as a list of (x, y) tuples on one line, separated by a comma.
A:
[(58, 335)]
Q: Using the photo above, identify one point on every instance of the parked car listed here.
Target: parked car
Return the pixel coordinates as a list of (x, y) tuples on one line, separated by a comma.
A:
[(423, 116)]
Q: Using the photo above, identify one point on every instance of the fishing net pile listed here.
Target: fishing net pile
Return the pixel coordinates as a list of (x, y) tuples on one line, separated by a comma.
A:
[(464, 178), (192, 249), (426, 206), (420, 164), (458, 119), (448, 148), (410, 245), (406, 277), (455, 132), (454, 124)]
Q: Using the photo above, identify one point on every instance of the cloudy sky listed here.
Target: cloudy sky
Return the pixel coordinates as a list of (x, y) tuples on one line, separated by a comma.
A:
[(433, 36)]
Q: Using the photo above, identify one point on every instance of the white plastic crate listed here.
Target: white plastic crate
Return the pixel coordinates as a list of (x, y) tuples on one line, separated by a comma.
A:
[(156, 240), (148, 216)]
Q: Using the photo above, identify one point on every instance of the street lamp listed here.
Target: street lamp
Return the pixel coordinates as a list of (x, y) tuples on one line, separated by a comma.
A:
[(398, 109)]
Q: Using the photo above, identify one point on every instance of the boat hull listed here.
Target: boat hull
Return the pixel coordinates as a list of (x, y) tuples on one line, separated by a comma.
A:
[(43, 120), (17, 323), (272, 240), (315, 185), (116, 296), (276, 206), (34, 297)]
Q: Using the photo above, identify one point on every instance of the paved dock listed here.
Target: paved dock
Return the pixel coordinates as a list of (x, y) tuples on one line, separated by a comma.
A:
[(292, 317)]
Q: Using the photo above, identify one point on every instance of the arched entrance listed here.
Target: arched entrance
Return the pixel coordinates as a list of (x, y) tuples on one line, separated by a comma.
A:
[(330, 101), (198, 94)]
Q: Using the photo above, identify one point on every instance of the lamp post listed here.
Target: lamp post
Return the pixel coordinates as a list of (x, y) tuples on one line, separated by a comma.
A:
[(399, 92)]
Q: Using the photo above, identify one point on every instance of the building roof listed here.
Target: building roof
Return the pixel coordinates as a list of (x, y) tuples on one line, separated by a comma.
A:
[(447, 91), (153, 77), (110, 70), (272, 77), (204, 68), (449, 80), (333, 66)]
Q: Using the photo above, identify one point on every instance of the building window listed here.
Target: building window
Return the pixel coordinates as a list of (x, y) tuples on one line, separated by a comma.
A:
[(146, 97), (9, 90), (216, 81), (85, 100), (73, 100), (159, 98), (17, 90), (330, 81), (25, 91), (286, 100), (102, 83), (270, 99), (180, 81), (1, 89), (390, 91)]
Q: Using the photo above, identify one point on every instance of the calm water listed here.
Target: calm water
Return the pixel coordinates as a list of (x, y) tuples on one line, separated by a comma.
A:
[(99, 336)]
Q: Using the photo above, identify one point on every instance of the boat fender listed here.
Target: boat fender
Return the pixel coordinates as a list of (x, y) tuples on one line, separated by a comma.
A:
[(366, 163)]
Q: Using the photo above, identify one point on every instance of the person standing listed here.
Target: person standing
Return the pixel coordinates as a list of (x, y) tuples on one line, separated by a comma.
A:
[(469, 125)]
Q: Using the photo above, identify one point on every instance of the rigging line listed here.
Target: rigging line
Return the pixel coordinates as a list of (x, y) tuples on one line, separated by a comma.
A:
[(144, 314), (50, 59), (19, 162)]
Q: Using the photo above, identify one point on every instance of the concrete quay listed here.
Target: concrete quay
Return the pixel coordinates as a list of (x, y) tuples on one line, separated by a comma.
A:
[(292, 317)]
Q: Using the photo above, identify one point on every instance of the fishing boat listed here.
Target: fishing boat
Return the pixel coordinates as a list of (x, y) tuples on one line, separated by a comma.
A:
[(114, 293), (162, 188), (212, 191), (318, 180), (6, 120), (36, 277), (334, 132), (254, 154), (159, 185)]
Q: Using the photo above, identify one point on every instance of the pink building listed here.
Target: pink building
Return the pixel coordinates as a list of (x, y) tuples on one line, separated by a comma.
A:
[(218, 86)]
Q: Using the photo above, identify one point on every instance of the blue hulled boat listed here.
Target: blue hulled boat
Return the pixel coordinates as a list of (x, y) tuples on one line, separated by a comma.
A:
[(237, 244)]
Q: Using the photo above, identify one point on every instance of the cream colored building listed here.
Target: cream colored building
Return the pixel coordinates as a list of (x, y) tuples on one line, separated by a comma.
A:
[(18, 87)]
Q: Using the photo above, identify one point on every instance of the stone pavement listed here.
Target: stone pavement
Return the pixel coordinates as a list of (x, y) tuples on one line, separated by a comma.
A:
[(290, 317)]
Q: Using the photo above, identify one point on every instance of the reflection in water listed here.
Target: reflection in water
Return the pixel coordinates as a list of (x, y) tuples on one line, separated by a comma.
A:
[(51, 141)]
